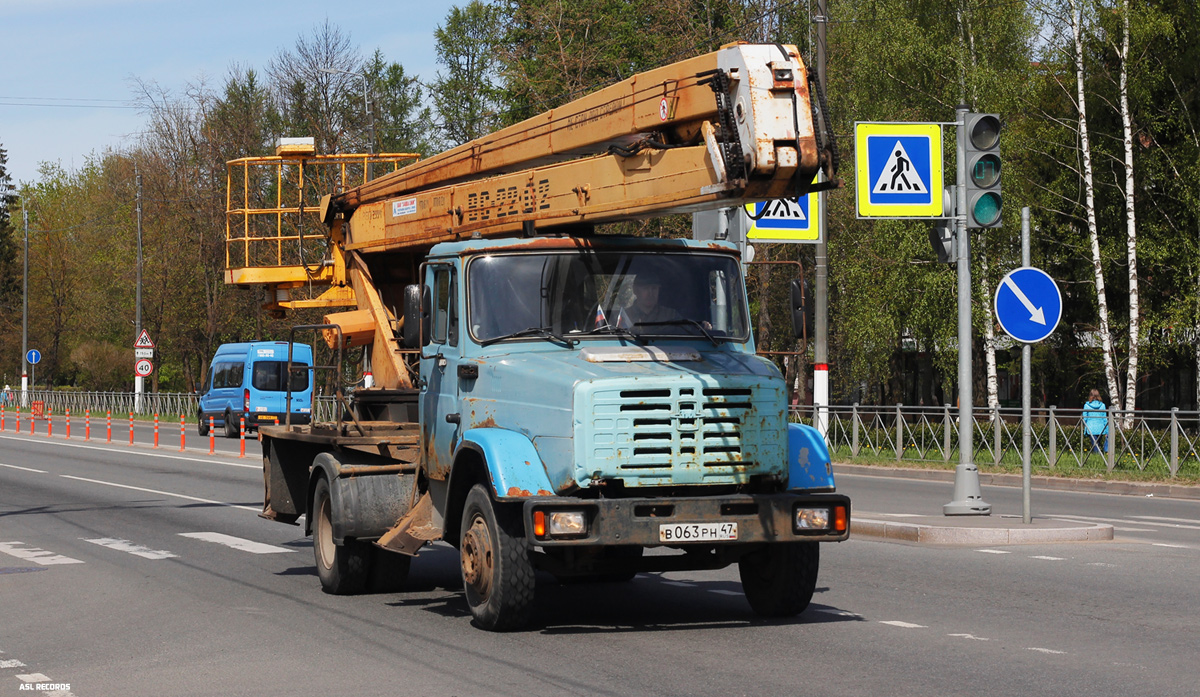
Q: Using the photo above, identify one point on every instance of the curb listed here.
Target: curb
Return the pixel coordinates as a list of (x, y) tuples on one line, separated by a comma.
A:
[(918, 533), (1176, 491)]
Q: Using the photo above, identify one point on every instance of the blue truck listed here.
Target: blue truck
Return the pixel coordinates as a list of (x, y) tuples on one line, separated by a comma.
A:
[(548, 396), (555, 428)]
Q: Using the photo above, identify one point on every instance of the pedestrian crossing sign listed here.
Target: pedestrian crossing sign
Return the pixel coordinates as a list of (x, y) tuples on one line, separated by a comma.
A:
[(898, 170), (785, 220)]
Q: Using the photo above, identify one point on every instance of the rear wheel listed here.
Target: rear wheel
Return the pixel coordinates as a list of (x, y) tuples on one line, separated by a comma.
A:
[(496, 569), (780, 578), (343, 569)]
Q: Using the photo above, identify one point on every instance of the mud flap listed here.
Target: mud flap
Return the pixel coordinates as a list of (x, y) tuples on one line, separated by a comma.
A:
[(414, 530)]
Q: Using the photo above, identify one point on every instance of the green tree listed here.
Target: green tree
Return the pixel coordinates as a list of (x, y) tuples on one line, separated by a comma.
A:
[(467, 96)]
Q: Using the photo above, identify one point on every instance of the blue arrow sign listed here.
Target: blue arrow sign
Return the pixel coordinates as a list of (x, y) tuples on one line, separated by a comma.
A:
[(33, 356), (1028, 304)]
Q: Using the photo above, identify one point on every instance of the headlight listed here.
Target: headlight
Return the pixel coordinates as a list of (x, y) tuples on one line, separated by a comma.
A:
[(811, 519), (567, 523)]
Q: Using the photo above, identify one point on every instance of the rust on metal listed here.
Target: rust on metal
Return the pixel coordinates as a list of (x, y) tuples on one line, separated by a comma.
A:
[(515, 491)]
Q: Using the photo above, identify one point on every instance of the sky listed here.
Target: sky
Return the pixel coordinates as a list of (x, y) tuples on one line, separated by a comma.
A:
[(79, 60)]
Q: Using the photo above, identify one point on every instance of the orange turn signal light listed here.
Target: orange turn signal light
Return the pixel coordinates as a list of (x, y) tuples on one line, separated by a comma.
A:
[(839, 518), (539, 524)]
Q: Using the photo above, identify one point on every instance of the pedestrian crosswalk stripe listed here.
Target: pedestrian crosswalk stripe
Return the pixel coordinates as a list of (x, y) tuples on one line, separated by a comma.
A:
[(236, 542), (127, 546)]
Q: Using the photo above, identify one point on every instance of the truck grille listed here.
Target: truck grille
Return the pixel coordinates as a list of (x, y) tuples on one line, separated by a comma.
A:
[(681, 433)]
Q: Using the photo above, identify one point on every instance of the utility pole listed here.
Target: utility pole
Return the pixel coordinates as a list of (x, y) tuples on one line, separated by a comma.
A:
[(138, 381), (25, 316), (821, 315)]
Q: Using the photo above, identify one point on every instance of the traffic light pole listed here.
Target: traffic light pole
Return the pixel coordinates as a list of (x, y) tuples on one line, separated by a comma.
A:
[(968, 500)]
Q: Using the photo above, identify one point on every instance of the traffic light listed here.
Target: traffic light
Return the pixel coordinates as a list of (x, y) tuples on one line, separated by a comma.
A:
[(980, 141)]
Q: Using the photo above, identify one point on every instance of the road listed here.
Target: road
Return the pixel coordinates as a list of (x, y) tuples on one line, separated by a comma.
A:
[(128, 571)]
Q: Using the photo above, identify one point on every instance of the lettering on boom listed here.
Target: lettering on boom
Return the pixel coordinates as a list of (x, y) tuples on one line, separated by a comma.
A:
[(576, 121), (507, 201)]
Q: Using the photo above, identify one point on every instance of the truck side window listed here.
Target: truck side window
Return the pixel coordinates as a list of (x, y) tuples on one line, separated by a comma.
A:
[(452, 319), (441, 304)]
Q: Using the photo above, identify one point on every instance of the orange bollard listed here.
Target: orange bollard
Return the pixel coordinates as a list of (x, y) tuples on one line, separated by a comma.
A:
[(18, 421), (68, 424), (243, 453), (182, 434), (49, 426), (212, 437), (32, 423), (109, 426), (87, 424), (156, 430), (131, 428), (1, 417)]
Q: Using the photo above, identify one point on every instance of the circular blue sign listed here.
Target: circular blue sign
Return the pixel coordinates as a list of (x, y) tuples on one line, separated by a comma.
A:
[(1028, 304), (33, 356)]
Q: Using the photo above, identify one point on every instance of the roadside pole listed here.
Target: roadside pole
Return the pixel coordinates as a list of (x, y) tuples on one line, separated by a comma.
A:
[(968, 499), (1026, 360), (25, 316), (820, 394), (138, 380)]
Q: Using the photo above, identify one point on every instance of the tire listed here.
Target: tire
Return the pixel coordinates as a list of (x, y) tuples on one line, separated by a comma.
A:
[(343, 569), (202, 425), (231, 429), (779, 579), (497, 573)]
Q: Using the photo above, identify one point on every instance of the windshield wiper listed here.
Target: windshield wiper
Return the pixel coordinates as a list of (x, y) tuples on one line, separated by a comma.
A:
[(542, 332), (683, 320), (614, 330)]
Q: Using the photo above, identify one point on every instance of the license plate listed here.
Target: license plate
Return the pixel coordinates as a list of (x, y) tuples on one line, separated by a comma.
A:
[(697, 532)]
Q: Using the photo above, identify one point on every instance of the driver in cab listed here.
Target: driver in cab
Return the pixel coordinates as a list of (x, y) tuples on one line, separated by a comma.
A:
[(645, 308)]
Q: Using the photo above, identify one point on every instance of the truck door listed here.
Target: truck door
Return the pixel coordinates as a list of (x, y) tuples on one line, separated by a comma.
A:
[(439, 371)]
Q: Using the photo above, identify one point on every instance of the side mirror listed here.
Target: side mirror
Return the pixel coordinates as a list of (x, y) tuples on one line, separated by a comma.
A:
[(411, 331), (799, 309)]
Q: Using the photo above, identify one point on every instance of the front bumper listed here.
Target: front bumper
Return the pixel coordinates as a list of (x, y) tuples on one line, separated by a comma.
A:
[(636, 521)]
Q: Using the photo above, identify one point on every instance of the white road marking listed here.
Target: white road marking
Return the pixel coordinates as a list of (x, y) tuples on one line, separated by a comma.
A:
[(1144, 520), (725, 592), (33, 677), (236, 542), (1041, 650), (35, 555), (904, 625), (162, 493), (1047, 558), (127, 546), (1190, 524), (25, 469), (14, 663), (993, 551), (136, 451), (970, 636), (1164, 544), (1101, 563)]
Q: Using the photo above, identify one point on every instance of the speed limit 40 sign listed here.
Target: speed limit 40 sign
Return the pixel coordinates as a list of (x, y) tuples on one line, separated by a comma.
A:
[(143, 367)]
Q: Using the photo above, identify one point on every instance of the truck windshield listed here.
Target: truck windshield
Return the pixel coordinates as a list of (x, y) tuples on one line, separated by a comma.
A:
[(583, 295)]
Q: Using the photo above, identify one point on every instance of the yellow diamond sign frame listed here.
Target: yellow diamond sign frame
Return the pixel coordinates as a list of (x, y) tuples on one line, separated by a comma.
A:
[(898, 170)]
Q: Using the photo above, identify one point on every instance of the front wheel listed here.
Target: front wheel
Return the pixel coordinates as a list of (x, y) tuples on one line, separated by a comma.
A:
[(202, 425), (780, 578), (497, 572), (343, 569), (231, 429)]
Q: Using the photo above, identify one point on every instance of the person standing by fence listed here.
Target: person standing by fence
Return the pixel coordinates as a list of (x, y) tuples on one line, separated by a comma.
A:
[(1095, 421)]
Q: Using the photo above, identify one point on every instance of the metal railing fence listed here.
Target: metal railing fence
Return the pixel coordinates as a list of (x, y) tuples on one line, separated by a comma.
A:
[(1164, 443), (148, 404)]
